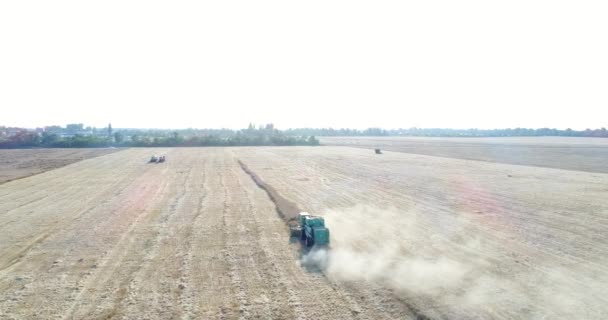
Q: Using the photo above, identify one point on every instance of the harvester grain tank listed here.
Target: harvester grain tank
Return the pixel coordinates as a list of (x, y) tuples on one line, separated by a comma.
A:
[(311, 230)]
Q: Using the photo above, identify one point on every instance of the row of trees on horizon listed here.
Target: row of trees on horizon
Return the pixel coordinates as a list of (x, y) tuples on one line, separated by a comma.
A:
[(73, 136), (262, 136)]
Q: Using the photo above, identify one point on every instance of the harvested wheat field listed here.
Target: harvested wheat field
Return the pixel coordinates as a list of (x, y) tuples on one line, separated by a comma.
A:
[(19, 163), (570, 153), (413, 237)]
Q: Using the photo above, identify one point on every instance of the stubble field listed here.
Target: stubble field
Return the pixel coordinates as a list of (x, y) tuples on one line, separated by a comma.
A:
[(413, 237), (570, 153), (19, 163)]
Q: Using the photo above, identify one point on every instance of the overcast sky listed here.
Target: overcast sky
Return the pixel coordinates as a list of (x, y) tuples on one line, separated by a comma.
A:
[(174, 64)]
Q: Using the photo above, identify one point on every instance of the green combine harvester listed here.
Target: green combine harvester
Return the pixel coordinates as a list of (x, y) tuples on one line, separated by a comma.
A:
[(311, 230)]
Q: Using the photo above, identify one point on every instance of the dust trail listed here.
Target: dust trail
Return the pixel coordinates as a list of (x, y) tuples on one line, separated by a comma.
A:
[(424, 263), (440, 265), (372, 244)]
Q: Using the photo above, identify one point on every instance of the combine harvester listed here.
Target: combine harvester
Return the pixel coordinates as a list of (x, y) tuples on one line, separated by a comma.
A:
[(311, 230)]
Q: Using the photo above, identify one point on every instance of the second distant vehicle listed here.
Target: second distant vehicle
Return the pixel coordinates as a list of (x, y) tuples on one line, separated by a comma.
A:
[(157, 159)]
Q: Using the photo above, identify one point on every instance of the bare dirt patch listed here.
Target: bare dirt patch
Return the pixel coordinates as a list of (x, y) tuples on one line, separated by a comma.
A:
[(19, 163)]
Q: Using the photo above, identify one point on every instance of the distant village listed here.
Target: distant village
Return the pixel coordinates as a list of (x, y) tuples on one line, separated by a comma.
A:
[(70, 130), (76, 135)]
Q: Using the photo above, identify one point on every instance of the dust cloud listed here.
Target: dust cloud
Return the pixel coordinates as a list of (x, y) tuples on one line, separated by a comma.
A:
[(439, 261), (379, 246)]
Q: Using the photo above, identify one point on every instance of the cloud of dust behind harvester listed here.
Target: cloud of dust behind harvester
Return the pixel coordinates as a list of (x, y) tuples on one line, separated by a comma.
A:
[(396, 249)]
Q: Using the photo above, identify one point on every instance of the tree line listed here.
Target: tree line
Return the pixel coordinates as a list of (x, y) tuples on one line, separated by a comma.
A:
[(266, 135), (252, 136)]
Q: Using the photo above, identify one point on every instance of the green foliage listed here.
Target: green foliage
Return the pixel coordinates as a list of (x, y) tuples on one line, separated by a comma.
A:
[(265, 135), (49, 138), (21, 139), (118, 137), (313, 141)]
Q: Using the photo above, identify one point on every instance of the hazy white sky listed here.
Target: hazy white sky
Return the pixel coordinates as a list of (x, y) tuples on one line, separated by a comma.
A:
[(312, 63)]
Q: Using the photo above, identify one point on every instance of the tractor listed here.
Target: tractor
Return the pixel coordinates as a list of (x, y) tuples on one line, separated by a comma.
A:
[(154, 158), (378, 151), (311, 230)]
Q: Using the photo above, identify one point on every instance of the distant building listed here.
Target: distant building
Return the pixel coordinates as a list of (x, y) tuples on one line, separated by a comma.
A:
[(70, 130), (53, 129), (74, 127), (13, 131)]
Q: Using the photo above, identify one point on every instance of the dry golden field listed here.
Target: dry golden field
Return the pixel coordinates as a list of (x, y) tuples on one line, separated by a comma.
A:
[(570, 153), (413, 237), (19, 163)]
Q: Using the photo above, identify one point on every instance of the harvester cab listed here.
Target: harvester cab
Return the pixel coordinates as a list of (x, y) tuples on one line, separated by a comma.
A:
[(311, 230)]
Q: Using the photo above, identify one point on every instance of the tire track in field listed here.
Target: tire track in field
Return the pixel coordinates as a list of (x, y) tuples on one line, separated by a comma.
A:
[(114, 269), (262, 285), (167, 260), (234, 273), (187, 296), (158, 270), (198, 300), (210, 279), (192, 268)]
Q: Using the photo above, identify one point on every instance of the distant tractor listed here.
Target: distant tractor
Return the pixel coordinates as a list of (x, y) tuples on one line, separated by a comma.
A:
[(311, 230), (157, 159), (378, 151)]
